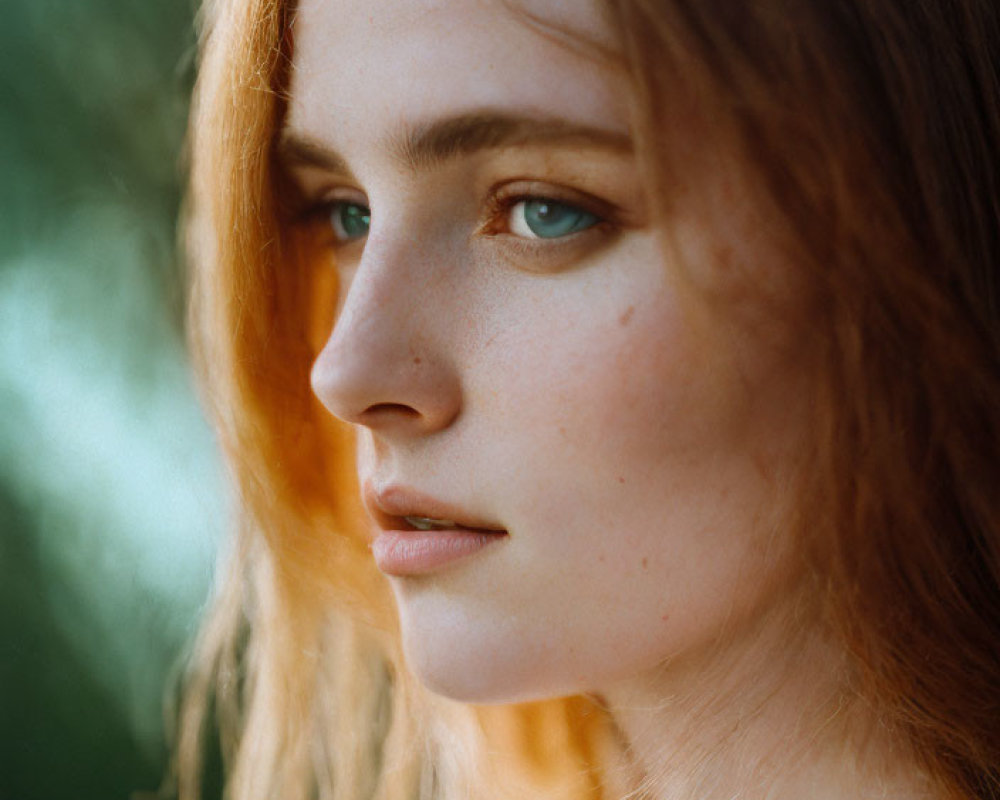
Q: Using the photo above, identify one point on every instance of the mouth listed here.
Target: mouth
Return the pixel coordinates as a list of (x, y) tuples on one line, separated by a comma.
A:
[(398, 508), (419, 534), (428, 524)]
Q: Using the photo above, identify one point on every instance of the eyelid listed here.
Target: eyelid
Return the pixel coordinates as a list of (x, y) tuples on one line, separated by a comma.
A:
[(309, 213), (548, 255), (309, 206), (504, 197)]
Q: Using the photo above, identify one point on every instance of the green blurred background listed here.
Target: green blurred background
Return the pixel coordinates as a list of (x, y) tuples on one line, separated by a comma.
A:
[(111, 496)]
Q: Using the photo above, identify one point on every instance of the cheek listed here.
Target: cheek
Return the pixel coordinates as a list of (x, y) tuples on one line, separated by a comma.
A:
[(615, 432), (631, 380), (630, 450)]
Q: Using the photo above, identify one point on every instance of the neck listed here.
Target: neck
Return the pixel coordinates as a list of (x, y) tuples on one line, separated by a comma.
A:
[(771, 715)]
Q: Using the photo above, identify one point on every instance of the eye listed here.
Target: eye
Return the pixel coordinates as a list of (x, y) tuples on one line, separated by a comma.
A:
[(544, 218), (349, 221)]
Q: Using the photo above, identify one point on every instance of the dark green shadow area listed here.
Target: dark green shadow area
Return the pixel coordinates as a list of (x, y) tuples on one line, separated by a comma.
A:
[(62, 734), (110, 493)]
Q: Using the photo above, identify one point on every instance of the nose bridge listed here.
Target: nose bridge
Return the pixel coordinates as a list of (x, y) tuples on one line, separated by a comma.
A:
[(376, 309), (382, 365)]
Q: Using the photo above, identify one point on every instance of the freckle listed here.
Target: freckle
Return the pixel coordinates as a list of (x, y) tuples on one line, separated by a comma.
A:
[(562, 430), (626, 316), (601, 559), (418, 360), (621, 479), (645, 563), (665, 617)]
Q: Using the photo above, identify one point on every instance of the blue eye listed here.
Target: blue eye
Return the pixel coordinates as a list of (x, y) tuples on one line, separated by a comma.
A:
[(350, 221), (541, 218)]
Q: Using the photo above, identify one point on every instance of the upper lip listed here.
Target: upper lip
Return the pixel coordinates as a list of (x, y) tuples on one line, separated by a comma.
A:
[(389, 505)]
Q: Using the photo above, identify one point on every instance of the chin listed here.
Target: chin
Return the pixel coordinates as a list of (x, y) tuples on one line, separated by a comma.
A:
[(470, 667), (466, 675)]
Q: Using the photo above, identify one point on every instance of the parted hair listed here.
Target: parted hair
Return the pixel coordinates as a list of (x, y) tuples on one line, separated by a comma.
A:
[(871, 129)]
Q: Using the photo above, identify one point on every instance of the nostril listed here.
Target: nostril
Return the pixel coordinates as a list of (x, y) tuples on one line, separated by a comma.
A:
[(386, 409)]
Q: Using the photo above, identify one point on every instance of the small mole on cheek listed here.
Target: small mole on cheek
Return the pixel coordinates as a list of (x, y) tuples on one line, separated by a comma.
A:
[(418, 360), (626, 316), (621, 479), (665, 617), (645, 563)]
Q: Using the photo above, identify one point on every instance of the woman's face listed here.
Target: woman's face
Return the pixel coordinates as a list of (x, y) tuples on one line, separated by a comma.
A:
[(518, 351)]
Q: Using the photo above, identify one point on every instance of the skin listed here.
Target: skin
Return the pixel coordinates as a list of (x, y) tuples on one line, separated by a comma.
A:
[(636, 445)]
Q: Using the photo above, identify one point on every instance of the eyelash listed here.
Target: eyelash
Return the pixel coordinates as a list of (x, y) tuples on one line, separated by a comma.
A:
[(502, 203), (497, 225)]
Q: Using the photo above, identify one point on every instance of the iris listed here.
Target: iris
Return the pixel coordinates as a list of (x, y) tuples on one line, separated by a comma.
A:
[(350, 220), (550, 219)]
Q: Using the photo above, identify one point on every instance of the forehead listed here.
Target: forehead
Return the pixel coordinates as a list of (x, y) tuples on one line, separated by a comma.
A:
[(362, 67)]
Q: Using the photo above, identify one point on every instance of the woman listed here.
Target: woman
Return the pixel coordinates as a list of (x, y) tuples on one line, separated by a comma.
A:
[(613, 393)]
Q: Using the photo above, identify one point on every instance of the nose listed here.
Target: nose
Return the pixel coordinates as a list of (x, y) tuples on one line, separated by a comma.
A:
[(386, 363)]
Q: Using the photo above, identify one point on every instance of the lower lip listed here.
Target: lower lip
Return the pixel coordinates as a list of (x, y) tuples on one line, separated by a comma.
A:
[(407, 553)]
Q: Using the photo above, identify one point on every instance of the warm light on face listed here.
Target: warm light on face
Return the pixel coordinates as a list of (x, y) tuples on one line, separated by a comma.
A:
[(516, 355)]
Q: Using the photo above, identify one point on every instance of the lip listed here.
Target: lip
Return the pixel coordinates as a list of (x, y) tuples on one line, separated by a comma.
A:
[(401, 550)]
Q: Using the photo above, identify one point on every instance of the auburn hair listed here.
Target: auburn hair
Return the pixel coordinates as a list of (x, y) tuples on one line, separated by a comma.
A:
[(871, 128)]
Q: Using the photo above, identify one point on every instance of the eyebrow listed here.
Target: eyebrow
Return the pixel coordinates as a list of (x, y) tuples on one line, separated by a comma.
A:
[(434, 143)]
